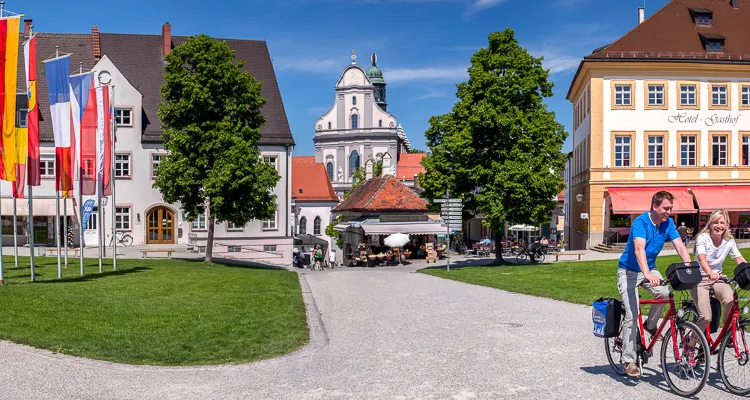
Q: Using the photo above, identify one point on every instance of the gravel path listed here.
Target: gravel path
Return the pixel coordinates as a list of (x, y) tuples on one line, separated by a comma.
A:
[(386, 333)]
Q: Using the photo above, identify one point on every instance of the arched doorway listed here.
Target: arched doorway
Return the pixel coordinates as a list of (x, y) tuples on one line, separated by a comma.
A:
[(160, 226)]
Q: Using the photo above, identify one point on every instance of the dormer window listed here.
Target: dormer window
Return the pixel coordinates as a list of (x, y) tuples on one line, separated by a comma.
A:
[(712, 42), (702, 16)]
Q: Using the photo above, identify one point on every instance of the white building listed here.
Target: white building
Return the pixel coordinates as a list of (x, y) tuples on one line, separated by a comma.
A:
[(134, 64), (357, 127), (313, 198)]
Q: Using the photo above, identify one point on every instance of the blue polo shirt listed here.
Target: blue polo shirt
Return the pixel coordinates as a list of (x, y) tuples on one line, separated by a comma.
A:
[(655, 237)]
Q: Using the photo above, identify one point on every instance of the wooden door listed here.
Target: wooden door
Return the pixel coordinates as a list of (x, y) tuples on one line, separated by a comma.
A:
[(160, 226)]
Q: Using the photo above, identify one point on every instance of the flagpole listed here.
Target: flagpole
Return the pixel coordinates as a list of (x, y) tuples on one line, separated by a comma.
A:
[(1, 234), (65, 230), (99, 222), (15, 230), (112, 177), (57, 233), (31, 229)]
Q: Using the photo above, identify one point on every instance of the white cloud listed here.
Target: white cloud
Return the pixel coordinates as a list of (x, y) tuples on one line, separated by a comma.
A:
[(307, 64), (432, 94), (451, 74), (556, 63), (479, 5)]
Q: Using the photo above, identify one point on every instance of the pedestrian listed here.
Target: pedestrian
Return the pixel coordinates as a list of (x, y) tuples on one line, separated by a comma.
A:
[(683, 231)]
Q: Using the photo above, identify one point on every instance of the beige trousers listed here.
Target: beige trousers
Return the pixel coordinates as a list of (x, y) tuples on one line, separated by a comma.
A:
[(702, 299)]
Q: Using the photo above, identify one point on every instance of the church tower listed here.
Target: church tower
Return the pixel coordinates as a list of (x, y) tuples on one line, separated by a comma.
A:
[(376, 77)]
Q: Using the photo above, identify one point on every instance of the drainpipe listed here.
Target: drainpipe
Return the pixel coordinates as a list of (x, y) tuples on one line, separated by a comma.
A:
[(286, 190)]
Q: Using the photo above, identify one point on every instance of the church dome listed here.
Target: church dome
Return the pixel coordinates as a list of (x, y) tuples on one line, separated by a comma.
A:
[(374, 73)]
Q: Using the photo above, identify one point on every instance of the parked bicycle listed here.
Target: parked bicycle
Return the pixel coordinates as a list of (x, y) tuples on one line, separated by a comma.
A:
[(535, 255), (685, 363), (731, 343), (122, 239)]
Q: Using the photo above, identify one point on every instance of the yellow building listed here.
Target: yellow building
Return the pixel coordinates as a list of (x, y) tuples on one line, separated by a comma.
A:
[(666, 106)]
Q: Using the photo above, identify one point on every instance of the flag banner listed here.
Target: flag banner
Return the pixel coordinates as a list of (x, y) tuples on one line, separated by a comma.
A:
[(104, 141), (9, 35), (86, 210), (84, 110), (32, 121), (58, 87), (19, 185)]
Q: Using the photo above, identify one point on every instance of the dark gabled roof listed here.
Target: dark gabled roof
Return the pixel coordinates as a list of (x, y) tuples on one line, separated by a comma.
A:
[(670, 34), (384, 194), (711, 36), (139, 58)]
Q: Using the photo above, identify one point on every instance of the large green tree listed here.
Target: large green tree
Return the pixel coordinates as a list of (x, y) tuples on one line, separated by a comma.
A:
[(500, 148), (212, 117)]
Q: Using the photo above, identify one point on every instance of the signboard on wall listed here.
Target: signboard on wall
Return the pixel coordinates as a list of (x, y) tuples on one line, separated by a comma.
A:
[(705, 119)]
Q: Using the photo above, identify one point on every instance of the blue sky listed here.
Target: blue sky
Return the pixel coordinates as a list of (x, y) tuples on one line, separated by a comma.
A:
[(423, 46)]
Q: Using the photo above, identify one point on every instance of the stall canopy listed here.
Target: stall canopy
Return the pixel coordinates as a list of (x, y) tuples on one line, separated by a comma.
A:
[(636, 200), (42, 207), (413, 228), (730, 198)]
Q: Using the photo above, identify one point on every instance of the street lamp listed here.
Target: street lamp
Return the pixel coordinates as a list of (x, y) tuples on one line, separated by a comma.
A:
[(579, 199)]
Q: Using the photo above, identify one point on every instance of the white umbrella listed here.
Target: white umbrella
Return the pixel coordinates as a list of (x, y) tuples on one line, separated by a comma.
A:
[(523, 228), (396, 240)]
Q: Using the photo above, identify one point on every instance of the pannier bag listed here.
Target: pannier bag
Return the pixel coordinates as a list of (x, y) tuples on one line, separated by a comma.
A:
[(684, 276), (742, 275), (606, 315)]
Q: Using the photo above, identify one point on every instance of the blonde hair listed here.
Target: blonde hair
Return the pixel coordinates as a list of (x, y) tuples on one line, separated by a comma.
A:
[(707, 228)]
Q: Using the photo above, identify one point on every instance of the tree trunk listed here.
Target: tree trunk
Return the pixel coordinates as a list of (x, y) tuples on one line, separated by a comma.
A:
[(498, 251), (210, 243)]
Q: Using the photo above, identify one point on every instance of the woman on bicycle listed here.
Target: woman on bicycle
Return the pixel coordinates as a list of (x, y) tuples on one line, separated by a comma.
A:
[(712, 245)]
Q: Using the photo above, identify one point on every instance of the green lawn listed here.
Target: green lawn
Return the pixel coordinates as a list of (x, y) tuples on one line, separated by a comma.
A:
[(576, 282), (154, 311)]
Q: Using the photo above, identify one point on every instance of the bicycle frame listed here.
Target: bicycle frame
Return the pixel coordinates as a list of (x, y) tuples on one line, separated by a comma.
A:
[(669, 318), (734, 317)]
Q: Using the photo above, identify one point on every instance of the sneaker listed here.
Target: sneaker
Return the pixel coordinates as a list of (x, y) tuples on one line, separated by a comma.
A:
[(632, 369)]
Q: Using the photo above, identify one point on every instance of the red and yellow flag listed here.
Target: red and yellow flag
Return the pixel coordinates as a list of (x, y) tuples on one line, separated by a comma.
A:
[(9, 32)]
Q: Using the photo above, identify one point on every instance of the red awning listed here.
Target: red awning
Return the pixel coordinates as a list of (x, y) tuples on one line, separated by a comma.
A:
[(730, 198), (636, 200)]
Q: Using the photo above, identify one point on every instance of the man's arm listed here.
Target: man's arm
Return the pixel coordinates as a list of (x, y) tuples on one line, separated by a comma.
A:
[(679, 245), (640, 256)]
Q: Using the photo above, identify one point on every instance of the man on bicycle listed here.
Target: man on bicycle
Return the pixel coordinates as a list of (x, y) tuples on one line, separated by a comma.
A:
[(648, 234)]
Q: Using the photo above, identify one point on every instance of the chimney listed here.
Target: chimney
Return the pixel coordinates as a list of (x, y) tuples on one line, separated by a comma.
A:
[(368, 170), (96, 42), (641, 15), (735, 3), (27, 27), (166, 38)]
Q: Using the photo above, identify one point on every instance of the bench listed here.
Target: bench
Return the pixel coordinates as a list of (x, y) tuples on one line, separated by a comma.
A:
[(569, 253), (145, 252), (50, 251)]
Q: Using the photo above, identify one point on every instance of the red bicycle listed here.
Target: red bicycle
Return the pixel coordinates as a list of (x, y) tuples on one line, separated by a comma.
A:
[(685, 366), (731, 344)]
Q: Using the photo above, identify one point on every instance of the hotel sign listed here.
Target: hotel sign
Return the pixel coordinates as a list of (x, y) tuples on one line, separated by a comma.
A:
[(705, 119)]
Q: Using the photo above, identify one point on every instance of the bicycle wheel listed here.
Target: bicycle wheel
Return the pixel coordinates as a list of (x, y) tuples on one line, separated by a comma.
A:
[(521, 258), (540, 257), (127, 241), (687, 376), (735, 371), (613, 349)]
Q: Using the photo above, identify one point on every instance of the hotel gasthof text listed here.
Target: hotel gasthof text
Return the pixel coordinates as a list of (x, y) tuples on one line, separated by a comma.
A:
[(666, 106)]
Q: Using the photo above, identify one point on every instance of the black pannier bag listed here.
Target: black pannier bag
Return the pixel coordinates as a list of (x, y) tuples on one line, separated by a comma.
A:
[(742, 275), (606, 315), (684, 276)]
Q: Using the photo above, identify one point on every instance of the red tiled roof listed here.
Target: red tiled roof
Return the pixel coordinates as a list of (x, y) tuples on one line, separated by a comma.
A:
[(409, 165), (381, 195), (310, 180), (672, 34)]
